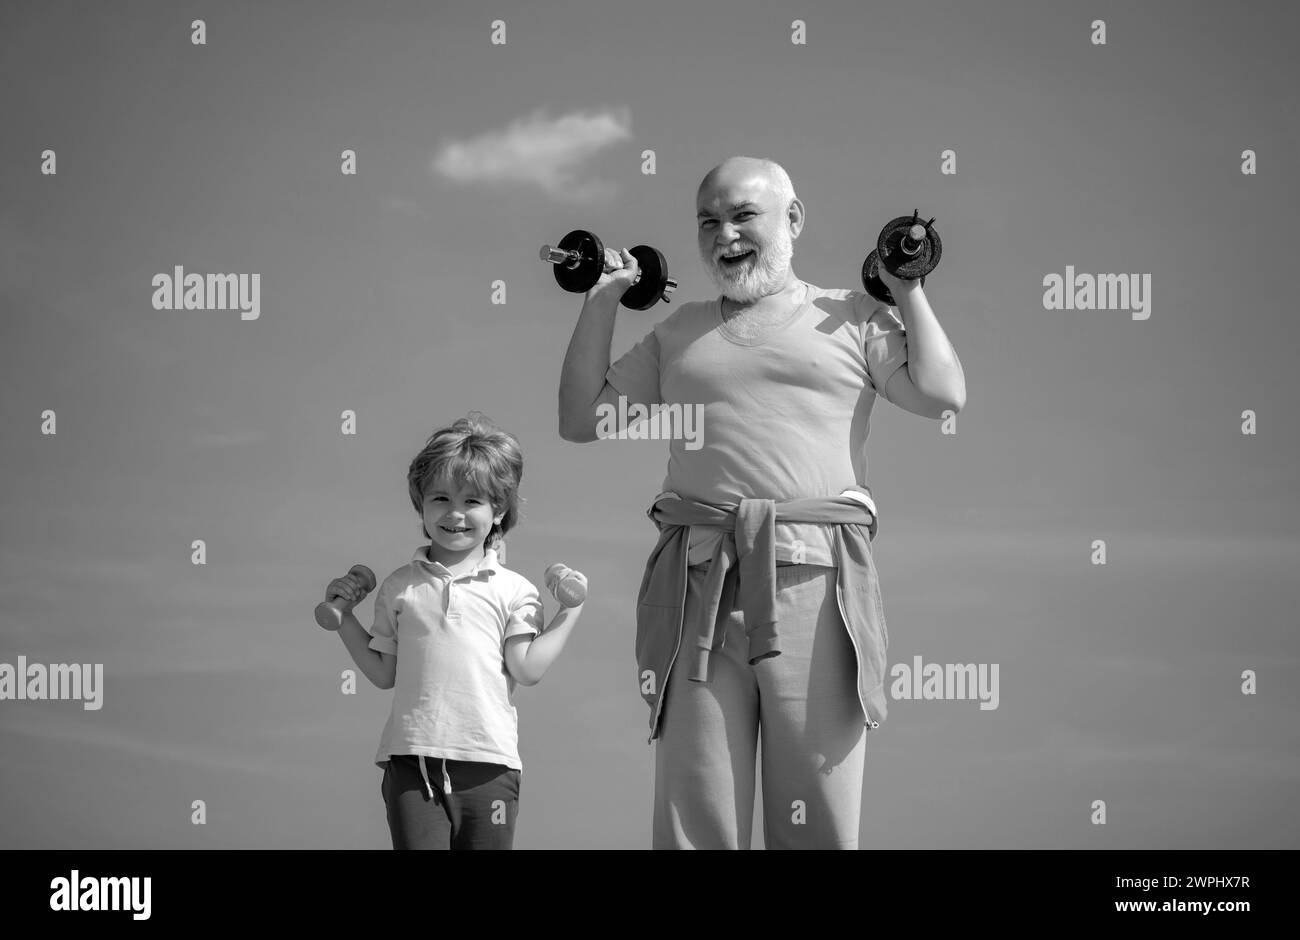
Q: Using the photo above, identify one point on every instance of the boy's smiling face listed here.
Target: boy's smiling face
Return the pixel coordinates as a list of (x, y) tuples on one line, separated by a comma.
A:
[(458, 517)]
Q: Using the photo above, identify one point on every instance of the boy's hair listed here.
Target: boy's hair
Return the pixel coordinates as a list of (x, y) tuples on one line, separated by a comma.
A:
[(476, 453)]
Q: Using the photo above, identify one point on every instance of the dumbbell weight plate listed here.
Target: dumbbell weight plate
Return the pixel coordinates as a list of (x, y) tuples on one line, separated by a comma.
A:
[(584, 276), (651, 280), (917, 265), (872, 282)]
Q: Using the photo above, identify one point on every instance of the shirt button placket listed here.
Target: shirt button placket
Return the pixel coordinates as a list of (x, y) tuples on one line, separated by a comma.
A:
[(452, 614)]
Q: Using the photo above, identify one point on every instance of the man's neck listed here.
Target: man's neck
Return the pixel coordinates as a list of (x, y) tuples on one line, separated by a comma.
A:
[(774, 306)]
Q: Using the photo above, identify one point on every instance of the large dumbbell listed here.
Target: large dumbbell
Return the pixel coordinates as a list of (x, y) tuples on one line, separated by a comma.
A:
[(579, 261), (329, 614), (909, 249)]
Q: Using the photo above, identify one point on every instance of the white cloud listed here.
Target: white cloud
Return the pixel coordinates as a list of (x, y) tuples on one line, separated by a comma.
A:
[(539, 150)]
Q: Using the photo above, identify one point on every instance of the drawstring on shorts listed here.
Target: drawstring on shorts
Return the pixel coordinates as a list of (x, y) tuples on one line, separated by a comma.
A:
[(446, 778)]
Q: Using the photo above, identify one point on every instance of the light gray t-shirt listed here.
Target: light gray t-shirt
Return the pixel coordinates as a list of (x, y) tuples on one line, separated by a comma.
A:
[(785, 415)]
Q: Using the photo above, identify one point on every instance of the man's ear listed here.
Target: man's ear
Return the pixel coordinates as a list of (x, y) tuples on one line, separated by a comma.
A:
[(795, 215)]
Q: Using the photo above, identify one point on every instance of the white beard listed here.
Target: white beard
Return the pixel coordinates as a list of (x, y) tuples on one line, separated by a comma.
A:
[(765, 274)]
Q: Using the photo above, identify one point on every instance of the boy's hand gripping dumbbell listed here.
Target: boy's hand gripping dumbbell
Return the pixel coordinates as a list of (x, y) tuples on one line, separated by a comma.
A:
[(342, 594), (567, 586)]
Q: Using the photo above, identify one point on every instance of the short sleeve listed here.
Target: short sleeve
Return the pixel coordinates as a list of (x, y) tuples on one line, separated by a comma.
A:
[(636, 373), (884, 343), (383, 635), (525, 613)]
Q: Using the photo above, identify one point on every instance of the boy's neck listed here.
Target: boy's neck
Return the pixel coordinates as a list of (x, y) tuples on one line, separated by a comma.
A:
[(457, 563)]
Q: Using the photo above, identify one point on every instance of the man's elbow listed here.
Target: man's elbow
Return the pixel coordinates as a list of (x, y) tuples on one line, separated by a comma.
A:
[(524, 677), (946, 401), (940, 408)]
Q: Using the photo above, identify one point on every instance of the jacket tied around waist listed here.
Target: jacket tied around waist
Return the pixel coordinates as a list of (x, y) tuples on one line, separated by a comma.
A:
[(742, 575)]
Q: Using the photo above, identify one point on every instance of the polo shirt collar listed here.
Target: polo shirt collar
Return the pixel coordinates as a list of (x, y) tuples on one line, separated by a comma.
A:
[(489, 564)]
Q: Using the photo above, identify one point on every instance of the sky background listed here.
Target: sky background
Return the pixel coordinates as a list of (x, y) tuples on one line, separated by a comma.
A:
[(1119, 683)]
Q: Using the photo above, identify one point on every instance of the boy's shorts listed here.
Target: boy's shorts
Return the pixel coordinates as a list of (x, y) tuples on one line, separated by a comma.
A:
[(450, 804)]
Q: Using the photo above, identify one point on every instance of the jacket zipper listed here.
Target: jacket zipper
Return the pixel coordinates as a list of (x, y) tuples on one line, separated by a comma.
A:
[(857, 652)]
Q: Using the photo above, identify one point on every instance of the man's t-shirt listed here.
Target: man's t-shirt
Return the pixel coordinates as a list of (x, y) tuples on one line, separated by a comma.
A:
[(785, 415)]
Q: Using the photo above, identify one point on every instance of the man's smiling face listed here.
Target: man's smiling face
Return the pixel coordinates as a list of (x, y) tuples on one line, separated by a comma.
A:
[(746, 237)]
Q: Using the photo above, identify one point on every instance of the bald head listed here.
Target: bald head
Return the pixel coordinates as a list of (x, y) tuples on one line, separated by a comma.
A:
[(735, 172)]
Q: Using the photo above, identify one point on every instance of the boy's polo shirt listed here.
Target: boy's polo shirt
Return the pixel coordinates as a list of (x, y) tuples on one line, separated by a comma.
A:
[(452, 693), (785, 415)]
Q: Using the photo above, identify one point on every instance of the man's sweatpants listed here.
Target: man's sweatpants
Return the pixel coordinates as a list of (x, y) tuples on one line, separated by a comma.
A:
[(803, 703)]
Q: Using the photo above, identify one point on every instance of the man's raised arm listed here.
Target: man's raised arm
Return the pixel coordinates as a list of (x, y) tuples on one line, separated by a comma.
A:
[(582, 382)]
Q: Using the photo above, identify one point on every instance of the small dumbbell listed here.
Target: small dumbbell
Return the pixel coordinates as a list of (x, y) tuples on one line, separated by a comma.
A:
[(329, 614), (579, 261), (569, 587), (909, 248)]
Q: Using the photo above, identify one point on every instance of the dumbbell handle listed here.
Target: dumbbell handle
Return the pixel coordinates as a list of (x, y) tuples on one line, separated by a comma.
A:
[(329, 614), (573, 258), (911, 243), (560, 256)]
